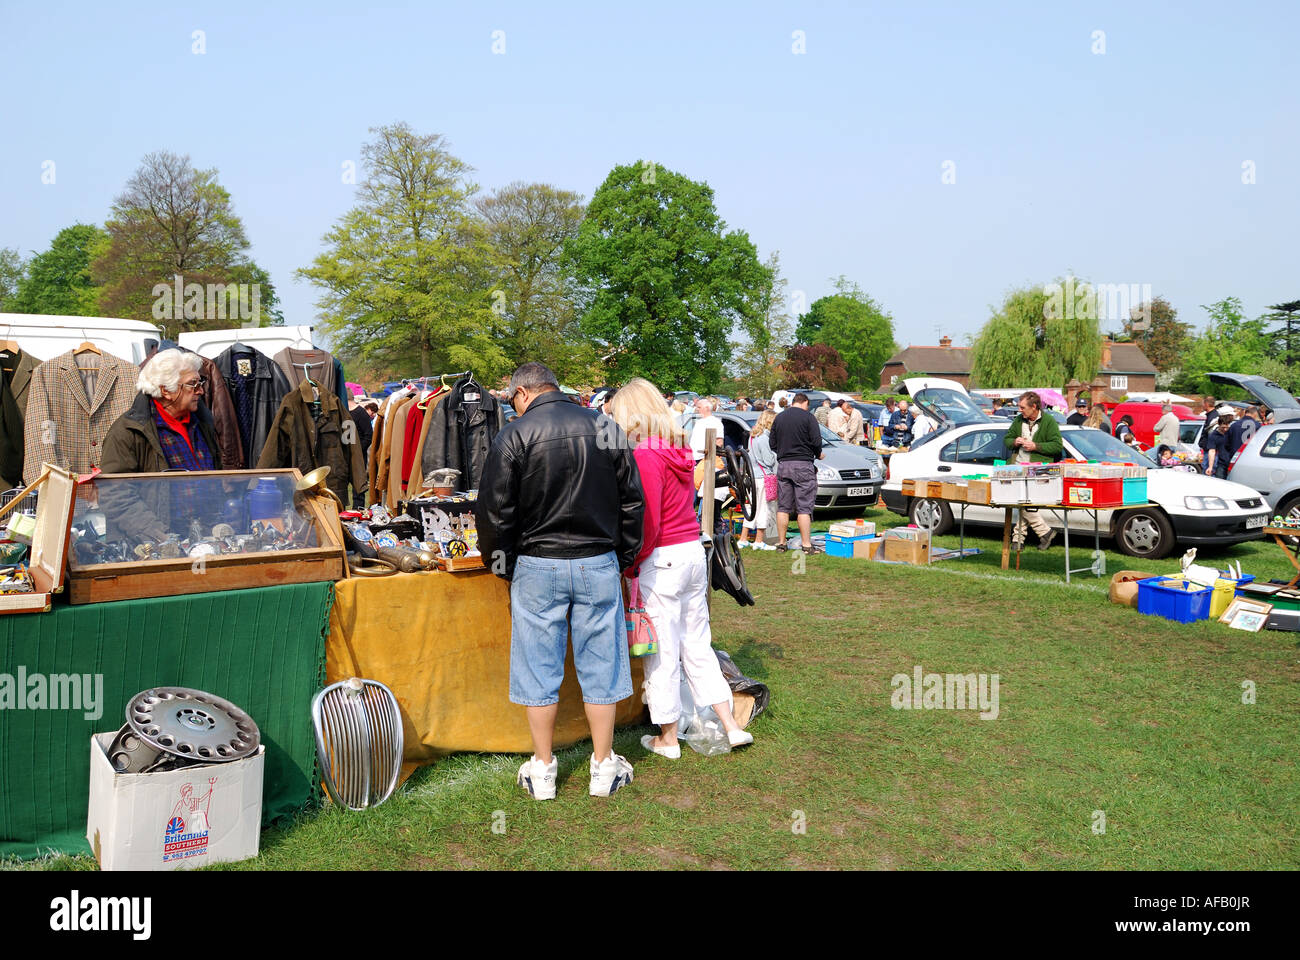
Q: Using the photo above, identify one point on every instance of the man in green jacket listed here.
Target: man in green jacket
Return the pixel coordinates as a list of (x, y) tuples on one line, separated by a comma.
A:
[(1033, 437)]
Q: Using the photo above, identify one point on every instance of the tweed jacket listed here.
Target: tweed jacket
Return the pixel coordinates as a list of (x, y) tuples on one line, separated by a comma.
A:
[(64, 427)]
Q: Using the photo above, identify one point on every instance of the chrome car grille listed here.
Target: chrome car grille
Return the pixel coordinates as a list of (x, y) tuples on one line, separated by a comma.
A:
[(359, 741), (862, 474)]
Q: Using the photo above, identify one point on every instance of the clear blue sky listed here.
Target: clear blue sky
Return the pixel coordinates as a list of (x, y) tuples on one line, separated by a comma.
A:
[(1124, 167)]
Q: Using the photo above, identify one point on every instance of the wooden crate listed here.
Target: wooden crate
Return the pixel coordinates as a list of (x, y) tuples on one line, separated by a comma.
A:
[(47, 555), (979, 491), (909, 488), (934, 488), (952, 491)]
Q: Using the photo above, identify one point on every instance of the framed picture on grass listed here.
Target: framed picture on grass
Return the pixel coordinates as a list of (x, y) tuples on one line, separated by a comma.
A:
[(1245, 614)]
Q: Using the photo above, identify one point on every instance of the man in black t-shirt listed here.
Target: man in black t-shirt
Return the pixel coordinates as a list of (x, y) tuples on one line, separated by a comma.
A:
[(797, 441)]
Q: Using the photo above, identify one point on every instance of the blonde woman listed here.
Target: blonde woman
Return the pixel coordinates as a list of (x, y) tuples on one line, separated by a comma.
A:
[(764, 460), (1097, 419), (674, 578)]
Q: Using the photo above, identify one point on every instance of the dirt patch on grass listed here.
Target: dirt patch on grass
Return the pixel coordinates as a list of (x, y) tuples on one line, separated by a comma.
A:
[(684, 801)]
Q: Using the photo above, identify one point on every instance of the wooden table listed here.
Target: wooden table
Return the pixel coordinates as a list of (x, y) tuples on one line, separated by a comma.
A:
[(1277, 533)]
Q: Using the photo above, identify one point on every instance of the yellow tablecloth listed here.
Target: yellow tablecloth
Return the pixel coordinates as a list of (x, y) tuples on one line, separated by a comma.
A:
[(441, 643)]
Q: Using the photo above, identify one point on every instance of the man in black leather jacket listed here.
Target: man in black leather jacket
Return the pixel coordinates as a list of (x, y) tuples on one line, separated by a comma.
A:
[(559, 514)]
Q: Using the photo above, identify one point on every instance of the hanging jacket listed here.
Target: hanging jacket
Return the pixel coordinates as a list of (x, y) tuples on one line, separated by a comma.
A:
[(462, 433), (301, 439), (19, 366), (11, 435), (263, 386), (64, 426)]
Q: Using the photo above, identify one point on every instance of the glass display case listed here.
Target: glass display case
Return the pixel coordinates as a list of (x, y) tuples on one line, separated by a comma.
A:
[(163, 534)]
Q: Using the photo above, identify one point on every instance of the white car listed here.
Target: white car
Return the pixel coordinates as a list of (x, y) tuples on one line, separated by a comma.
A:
[(1186, 508)]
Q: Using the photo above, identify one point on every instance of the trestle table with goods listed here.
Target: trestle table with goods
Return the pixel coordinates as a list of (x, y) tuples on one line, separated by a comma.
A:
[(1293, 533), (1059, 489)]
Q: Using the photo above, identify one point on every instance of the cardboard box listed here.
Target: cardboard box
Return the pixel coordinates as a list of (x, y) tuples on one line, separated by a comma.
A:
[(176, 820), (907, 551), (867, 549), (854, 528)]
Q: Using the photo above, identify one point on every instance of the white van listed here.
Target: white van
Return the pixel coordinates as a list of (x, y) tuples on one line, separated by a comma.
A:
[(45, 336), (267, 340)]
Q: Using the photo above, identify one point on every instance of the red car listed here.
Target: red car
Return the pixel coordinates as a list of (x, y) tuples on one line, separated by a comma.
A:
[(1144, 416)]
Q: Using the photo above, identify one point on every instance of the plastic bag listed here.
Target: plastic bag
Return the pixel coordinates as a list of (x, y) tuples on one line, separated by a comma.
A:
[(700, 727)]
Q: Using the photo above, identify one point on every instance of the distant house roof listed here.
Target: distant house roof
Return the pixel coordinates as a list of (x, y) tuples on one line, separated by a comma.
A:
[(1124, 358), (933, 359)]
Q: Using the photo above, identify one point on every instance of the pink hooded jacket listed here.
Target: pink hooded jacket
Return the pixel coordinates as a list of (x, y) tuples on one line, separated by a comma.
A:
[(668, 480)]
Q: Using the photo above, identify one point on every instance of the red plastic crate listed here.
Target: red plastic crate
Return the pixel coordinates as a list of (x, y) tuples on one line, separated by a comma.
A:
[(1093, 493)]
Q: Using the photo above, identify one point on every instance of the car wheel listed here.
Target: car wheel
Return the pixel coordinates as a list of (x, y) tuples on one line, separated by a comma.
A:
[(932, 515), (1147, 534)]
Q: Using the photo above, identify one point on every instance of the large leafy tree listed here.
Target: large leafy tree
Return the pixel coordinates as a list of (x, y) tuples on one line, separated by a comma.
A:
[(13, 268), (1231, 342), (1040, 336), (1155, 327), (173, 219), (770, 332), (58, 280), (663, 281), (1286, 333), (815, 365), (407, 274), (856, 327), (534, 307)]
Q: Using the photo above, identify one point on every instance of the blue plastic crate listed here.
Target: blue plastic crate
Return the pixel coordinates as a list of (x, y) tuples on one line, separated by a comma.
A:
[(1175, 600), (839, 546), (1135, 490)]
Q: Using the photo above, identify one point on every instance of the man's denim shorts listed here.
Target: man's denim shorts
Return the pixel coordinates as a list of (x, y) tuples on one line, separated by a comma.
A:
[(551, 599)]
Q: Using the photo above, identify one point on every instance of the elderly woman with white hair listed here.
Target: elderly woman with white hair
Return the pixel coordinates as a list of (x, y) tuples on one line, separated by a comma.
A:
[(166, 428)]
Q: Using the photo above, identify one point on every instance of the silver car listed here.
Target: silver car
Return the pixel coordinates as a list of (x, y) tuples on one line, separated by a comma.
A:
[(1270, 463), (849, 478)]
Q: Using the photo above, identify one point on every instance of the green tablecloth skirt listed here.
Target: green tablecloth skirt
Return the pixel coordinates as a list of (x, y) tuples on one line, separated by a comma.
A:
[(262, 649)]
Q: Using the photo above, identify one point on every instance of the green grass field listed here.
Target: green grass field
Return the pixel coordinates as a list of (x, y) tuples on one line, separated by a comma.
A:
[(1102, 712)]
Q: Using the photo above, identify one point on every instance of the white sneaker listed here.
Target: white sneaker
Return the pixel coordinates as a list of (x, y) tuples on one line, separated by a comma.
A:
[(611, 774), (539, 778), (739, 738), (763, 546)]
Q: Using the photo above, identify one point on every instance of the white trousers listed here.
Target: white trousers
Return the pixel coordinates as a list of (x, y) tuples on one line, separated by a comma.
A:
[(674, 585), (760, 514)]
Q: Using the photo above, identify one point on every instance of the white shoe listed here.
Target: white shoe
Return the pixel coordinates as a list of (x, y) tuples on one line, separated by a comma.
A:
[(611, 774), (739, 738), (672, 753), (764, 546), (539, 778)]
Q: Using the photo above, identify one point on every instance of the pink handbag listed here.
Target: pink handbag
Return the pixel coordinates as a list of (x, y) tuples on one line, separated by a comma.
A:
[(642, 640)]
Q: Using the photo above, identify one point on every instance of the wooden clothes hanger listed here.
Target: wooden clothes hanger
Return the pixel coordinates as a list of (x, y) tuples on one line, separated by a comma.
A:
[(87, 347), (9, 346)]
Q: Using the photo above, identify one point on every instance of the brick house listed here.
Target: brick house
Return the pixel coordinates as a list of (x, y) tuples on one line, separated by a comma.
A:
[(945, 360), (1124, 369)]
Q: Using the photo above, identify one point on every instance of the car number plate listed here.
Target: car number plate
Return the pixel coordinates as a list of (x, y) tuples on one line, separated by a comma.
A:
[(1254, 523), (860, 491)]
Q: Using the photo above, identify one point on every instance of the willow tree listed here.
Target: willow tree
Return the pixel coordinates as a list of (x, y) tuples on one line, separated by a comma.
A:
[(1040, 336)]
